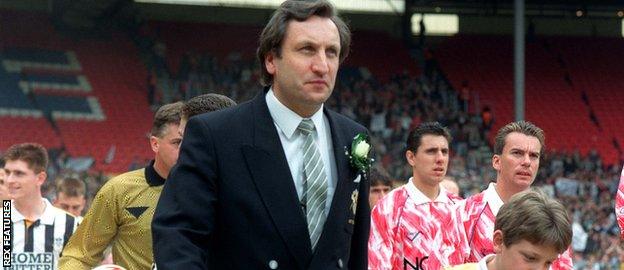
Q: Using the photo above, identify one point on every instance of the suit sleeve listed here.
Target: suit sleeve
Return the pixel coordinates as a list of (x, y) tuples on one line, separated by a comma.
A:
[(619, 205), (185, 215), (359, 241), (96, 231)]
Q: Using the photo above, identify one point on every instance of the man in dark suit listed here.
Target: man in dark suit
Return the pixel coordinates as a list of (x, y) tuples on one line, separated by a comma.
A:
[(269, 184)]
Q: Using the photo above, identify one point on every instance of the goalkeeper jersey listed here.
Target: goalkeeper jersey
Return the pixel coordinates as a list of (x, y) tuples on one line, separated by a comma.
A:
[(121, 215)]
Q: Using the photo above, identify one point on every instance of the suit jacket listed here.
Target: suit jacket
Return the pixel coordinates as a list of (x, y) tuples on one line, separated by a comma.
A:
[(230, 202)]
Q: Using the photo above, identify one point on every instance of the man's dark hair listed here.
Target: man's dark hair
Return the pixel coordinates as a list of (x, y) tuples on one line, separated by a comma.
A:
[(205, 103), (427, 128), (300, 10), (523, 127)]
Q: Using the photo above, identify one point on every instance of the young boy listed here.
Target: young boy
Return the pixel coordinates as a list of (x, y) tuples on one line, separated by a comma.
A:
[(380, 185), (531, 230)]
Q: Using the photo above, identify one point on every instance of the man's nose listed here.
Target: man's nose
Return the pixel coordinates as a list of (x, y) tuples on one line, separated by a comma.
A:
[(320, 65)]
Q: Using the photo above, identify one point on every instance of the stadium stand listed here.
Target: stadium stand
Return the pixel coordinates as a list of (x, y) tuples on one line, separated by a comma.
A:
[(552, 101), (87, 97)]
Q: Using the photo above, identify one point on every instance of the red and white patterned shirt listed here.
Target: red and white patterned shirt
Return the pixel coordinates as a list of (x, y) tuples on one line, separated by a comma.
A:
[(408, 230), (619, 205), (477, 214)]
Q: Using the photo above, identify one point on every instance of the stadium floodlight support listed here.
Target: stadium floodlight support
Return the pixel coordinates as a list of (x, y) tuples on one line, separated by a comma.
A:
[(519, 59)]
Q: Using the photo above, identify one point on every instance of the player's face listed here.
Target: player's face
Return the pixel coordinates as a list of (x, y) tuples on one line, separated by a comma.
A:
[(376, 193), (305, 73), (523, 255), (518, 163), (430, 161), (21, 181), (72, 205), (167, 147)]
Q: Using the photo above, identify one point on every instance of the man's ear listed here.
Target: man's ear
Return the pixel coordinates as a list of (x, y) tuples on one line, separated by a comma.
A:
[(269, 63), (497, 239), (154, 143), (41, 177), (496, 162), (411, 158)]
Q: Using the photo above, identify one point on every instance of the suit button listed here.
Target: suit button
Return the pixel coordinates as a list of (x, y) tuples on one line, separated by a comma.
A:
[(340, 265), (273, 264)]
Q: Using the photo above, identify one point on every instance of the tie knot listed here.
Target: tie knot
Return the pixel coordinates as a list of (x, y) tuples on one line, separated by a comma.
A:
[(306, 126)]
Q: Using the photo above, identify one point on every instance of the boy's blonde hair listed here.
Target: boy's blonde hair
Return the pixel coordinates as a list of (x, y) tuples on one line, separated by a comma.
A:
[(533, 216)]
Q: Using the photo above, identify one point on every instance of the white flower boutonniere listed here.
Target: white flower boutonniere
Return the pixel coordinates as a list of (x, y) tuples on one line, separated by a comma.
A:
[(359, 155)]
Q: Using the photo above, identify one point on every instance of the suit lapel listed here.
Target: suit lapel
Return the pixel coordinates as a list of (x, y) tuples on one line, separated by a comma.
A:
[(271, 174), (338, 213)]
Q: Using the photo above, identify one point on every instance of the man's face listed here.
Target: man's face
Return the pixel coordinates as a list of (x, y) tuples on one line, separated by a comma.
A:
[(72, 205), (4, 193), (523, 255), (376, 193), (305, 73), (167, 148), (430, 161), (21, 181), (517, 165)]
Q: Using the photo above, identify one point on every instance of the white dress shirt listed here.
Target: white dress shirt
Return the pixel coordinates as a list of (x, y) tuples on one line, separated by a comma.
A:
[(286, 122)]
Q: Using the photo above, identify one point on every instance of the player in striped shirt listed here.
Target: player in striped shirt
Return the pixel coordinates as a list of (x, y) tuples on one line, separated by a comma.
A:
[(518, 148), (412, 227), (40, 230), (619, 204)]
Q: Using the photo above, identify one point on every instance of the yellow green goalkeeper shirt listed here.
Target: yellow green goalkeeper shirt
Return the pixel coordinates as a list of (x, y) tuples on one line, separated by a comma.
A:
[(121, 215)]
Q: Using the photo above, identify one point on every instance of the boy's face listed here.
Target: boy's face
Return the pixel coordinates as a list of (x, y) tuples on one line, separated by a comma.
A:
[(522, 255), (376, 193)]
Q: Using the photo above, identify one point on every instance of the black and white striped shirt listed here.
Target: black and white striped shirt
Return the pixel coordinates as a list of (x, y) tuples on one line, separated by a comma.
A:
[(40, 245)]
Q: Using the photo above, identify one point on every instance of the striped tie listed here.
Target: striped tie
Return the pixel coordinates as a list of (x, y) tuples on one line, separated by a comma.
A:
[(314, 182)]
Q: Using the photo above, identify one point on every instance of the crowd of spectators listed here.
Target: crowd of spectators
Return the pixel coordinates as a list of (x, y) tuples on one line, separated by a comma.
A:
[(390, 109)]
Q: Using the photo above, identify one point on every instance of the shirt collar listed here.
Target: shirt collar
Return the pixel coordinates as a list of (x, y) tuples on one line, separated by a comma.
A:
[(493, 199), (152, 177), (421, 198), (46, 218), (483, 262), (287, 120)]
